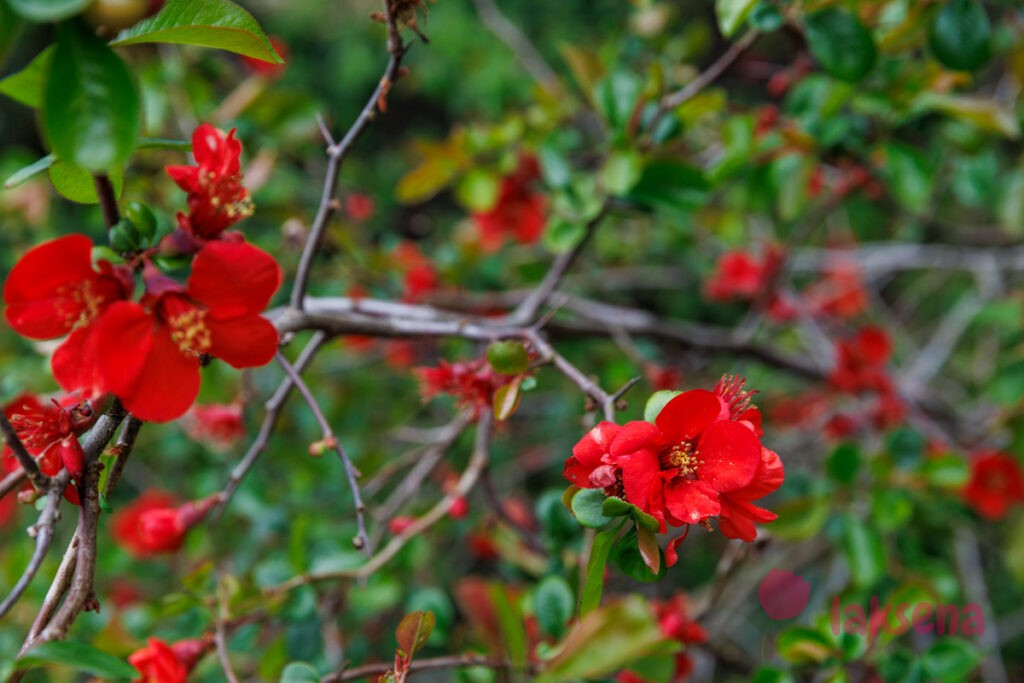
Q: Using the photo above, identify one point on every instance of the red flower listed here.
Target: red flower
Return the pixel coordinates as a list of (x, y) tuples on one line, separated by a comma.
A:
[(702, 458), (359, 207), (216, 198), (148, 353), (840, 293), (861, 361), (53, 290), (518, 213), (739, 275), (420, 275), (472, 383), (996, 483), (159, 662), (152, 524), (218, 425)]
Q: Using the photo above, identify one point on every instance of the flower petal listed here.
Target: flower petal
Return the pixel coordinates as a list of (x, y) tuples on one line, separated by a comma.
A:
[(729, 455), (635, 436), (768, 478), (688, 414), (168, 383), (738, 518), (233, 278), (689, 500), (74, 363), (248, 341)]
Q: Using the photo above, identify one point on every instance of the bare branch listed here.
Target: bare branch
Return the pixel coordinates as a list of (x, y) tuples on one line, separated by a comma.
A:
[(28, 464), (107, 200), (429, 664)]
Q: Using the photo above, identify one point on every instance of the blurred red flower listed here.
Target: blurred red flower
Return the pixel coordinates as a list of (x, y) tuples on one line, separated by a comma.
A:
[(159, 662), (154, 524), (995, 485), (218, 425), (472, 383), (269, 69), (861, 361), (519, 212)]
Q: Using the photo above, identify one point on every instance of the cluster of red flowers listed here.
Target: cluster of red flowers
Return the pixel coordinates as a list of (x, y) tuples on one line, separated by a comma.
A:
[(472, 383), (155, 524), (148, 353), (419, 275), (159, 662), (701, 458), (861, 367), (519, 212), (996, 484), (675, 622)]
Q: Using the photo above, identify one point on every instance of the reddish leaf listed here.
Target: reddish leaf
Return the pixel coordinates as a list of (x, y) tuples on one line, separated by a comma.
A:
[(413, 631), (648, 544)]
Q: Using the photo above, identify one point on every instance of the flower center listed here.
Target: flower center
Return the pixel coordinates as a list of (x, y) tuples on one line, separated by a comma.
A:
[(684, 458), (83, 305), (189, 331)]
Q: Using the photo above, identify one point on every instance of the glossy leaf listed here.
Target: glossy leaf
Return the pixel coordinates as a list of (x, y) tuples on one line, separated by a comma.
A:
[(593, 586), (91, 114), (553, 604), (414, 630), (219, 24), (80, 657), (24, 174), (26, 86), (864, 551), (508, 357), (656, 402), (48, 10), (628, 558), (299, 672), (506, 400), (78, 185), (841, 43), (617, 507), (960, 35), (731, 14), (587, 506)]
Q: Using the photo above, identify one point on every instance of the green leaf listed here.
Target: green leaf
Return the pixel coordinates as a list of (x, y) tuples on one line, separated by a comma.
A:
[(510, 623), (78, 185), (90, 113), (587, 505), (553, 604), (864, 552), (731, 14), (414, 630), (621, 171), (672, 184), (48, 10), (803, 645), (843, 463), (801, 518), (606, 640), (657, 402), (983, 113), (26, 86), (207, 23), (841, 43), (508, 357), (23, 174), (647, 544), (617, 95), (478, 190), (951, 659), (628, 558), (590, 598), (299, 672), (616, 507), (960, 35), (80, 657), (506, 400), (766, 17)]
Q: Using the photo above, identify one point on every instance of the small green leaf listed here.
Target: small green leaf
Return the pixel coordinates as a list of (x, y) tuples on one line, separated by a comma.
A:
[(950, 660), (414, 630), (731, 14), (616, 507), (766, 17), (587, 505), (78, 185), (960, 35), (864, 551), (841, 43), (23, 174), (91, 113), (219, 24), (80, 657), (628, 558), (802, 645), (617, 94), (506, 400), (672, 184), (657, 402), (843, 463), (621, 171), (48, 10), (477, 191), (26, 86), (553, 604), (590, 597), (299, 672), (508, 357)]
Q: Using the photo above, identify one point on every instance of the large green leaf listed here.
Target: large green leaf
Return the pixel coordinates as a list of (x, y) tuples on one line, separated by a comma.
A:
[(48, 10), (218, 24), (593, 586), (78, 184), (26, 86), (731, 14), (841, 43), (81, 657), (91, 113), (960, 35)]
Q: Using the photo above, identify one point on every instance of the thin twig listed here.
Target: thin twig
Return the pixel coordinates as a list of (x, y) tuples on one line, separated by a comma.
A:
[(477, 462), (11, 482), (428, 664), (43, 530), (528, 55), (362, 540), (124, 446), (337, 153), (28, 464), (220, 637)]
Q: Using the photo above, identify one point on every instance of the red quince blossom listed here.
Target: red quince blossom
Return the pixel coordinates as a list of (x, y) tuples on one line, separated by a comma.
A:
[(218, 425), (359, 207), (518, 213), (216, 198), (840, 293), (675, 622), (739, 275), (148, 353), (701, 458), (996, 484), (54, 290), (154, 524), (419, 275), (159, 662), (861, 361), (472, 383)]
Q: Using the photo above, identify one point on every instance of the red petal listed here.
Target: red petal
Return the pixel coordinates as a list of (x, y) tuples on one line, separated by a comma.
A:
[(74, 363), (641, 475), (125, 334), (595, 444), (768, 478), (245, 342), (38, 290), (186, 177), (635, 436), (738, 518), (729, 455), (233, 278), (690, 500), (168, 383), (688, 414)]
